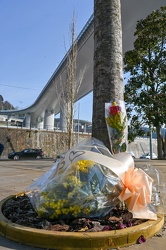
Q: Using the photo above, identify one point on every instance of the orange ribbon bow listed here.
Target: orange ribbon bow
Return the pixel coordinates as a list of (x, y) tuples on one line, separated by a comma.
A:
[(137, 192)]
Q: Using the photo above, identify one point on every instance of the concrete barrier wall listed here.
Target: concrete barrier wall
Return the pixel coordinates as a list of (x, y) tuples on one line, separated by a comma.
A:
[(51, 142), (141, 146)]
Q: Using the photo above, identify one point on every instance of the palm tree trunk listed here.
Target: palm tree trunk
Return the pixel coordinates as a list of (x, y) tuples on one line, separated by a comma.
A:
[(108, 59)]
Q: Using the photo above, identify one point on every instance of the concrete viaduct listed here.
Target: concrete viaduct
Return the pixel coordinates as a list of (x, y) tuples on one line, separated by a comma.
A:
[(41, 113)]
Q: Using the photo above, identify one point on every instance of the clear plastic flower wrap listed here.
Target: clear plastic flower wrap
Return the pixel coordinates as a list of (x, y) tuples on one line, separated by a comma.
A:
[(116, 120), (82, 189), (88, 181), (158, 199)]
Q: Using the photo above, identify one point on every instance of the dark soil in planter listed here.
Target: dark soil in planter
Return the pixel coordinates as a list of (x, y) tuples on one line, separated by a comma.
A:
[(19, 210)]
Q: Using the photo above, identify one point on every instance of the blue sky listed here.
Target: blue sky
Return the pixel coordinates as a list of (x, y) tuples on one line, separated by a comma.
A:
[(34, 37)]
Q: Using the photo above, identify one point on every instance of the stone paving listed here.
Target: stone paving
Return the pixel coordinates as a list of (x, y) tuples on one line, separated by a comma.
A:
[(16, 176)]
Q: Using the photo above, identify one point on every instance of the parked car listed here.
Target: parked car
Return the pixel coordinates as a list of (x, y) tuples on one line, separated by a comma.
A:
[(147, 156), (29, 153)]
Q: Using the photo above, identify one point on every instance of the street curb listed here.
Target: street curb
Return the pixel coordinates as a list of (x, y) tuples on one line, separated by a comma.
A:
[(77, 240)]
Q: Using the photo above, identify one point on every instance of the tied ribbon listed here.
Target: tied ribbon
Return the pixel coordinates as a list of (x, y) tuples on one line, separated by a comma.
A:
[(137, 192)]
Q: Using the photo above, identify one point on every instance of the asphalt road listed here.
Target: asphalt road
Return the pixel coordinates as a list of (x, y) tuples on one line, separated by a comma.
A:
[(16, 176)]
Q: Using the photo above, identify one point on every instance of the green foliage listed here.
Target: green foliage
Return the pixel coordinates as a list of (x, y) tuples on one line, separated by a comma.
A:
[(5, 105), (135, 129), (145, 91)]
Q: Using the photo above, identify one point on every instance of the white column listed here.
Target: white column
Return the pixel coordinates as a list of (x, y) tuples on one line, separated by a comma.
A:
[(27, 120), (40, 122), (64, 116), (63, 122), (49, 120)]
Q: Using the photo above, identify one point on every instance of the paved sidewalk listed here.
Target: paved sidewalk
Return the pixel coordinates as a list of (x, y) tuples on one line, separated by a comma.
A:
[(16, 176)]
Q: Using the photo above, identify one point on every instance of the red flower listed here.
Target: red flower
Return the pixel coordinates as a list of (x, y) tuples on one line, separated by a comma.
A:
[(114, 110)]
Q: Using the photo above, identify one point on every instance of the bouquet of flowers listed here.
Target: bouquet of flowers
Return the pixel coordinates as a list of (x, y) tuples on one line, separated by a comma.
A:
[(88, 181), (77, 188), (116, 119)]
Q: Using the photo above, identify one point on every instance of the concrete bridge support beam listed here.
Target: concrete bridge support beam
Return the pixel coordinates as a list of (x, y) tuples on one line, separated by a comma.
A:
[(49, 120), (40, 123), (27, 122), (63, 122), (64, 116)]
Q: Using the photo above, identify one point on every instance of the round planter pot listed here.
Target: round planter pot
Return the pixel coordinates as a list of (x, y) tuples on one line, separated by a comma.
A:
[(77, 240)]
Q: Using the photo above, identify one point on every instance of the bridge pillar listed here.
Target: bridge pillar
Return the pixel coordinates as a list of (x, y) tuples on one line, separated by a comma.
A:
[(49, 120), (27, 120), (63, 122), (40, 122)]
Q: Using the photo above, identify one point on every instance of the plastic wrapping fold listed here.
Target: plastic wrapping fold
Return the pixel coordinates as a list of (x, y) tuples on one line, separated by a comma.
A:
[(88, 181)]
